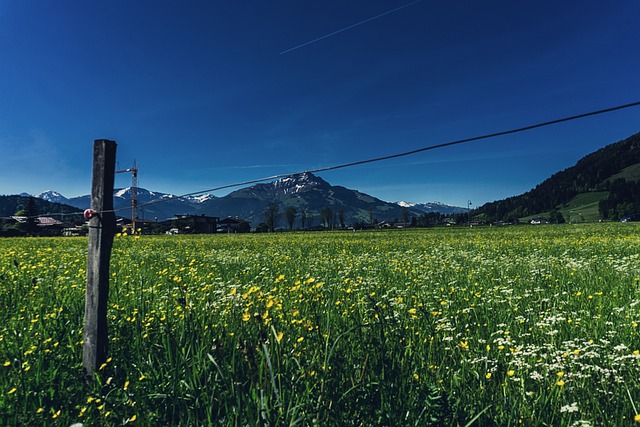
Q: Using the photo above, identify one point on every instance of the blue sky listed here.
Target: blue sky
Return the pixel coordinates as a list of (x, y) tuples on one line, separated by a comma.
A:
[(201, 94)]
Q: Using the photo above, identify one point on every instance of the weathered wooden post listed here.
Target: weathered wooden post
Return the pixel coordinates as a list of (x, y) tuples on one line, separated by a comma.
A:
[(102, 227)]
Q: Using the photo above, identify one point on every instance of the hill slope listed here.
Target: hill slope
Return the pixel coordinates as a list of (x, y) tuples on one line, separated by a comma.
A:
[(611, 172)]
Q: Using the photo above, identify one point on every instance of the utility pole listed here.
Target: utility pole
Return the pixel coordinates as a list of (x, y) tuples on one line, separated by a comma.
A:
[(134, 193), (469, 213)]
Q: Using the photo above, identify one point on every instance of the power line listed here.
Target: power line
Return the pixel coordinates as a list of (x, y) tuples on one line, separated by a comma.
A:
[(406, 153), (393, 156)]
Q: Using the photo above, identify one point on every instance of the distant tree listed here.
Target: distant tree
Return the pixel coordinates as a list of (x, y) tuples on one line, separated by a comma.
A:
[(556, 217), (303, 218), (404, 212), (30, 211), (290, 215), (262, 228), (341, 217), (244, 227), (326, 216), (271, 216), (310, 218)]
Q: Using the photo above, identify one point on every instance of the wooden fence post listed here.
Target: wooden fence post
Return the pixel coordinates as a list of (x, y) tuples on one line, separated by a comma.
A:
[(102, 227)]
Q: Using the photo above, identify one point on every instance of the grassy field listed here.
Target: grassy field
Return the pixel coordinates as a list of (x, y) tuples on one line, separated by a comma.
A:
[(505, 326)]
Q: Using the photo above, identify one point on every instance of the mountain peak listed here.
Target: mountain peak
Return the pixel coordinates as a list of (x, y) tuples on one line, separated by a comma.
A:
[(52, 196), (298, 183)]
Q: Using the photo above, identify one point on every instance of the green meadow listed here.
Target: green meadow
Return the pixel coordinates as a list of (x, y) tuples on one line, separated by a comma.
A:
[(521, 325)]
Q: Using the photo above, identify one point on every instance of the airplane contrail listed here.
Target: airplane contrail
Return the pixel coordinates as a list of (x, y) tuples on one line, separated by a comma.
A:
[(349, 27)]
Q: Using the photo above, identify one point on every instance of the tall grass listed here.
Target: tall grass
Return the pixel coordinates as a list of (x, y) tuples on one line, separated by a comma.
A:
[(532, 326)]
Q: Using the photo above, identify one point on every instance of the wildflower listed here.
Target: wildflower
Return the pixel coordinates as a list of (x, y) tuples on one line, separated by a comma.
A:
[(279, 336), (560, 383), (300, 339), (7, 363), (570, 408), (412, 311), (132, 419), (511, 373), (13, 390), (464, 345), (126, 384), (560, 374), (637, 418), (488, 376)]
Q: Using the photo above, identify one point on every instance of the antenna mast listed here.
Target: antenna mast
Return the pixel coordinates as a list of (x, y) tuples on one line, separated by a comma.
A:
[(134, 193)]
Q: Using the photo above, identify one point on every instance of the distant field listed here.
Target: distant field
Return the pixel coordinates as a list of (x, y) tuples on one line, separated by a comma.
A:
[(582, 208), (631, 173), (530, 326)]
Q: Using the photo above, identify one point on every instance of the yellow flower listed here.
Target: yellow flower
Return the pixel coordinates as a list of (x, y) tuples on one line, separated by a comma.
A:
[(511, 373), (7, 363), (488, 376), (300, 339), (126, 384), (279, 336), (560, 383), (637, 418), (412, 311), (560, 374), (133, 418), (13, 390)]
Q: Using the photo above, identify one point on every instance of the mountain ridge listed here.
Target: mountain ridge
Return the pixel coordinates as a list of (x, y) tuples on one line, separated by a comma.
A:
[(305, 192)]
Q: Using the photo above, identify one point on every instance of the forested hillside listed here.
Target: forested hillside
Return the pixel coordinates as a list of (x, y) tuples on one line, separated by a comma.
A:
[(601, 171)]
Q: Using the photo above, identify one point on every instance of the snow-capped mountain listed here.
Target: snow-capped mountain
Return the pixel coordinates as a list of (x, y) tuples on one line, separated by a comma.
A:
[(432, 207), (305, 192), (149, 206), (52, 196), (200, 199)]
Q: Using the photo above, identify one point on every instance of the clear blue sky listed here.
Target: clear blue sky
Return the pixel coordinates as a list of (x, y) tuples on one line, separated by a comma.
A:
[(201, 94)]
